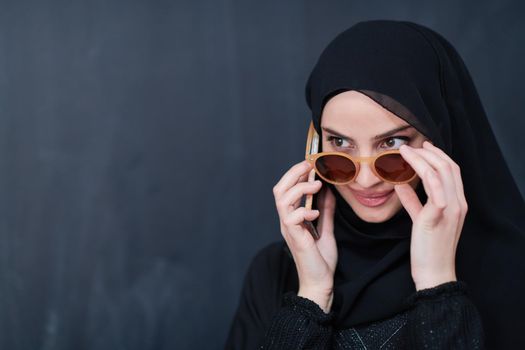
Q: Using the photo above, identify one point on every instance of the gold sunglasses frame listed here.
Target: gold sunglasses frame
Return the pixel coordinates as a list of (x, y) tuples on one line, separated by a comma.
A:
[(311, 156)]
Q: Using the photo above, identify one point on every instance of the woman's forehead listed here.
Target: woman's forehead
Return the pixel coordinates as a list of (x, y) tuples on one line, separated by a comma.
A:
[(354, 110)]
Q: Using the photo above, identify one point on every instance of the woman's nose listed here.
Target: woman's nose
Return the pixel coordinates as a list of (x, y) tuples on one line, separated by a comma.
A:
[(366, 177)]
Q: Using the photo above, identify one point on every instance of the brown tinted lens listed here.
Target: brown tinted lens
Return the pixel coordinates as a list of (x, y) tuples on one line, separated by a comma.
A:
[(335, 168), (392, 167)]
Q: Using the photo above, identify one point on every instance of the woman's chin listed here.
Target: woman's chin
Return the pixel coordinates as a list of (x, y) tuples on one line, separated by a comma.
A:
[(372, 217)]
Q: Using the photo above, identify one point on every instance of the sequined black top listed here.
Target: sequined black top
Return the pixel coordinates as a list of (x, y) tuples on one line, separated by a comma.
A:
[(272, 316), (442, 317)]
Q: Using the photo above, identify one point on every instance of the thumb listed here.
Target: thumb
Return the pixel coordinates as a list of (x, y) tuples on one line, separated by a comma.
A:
[(409, 199), (326, 204)]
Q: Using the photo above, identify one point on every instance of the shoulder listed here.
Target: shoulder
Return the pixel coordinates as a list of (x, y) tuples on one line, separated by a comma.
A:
[(273, 257), (271, 253), (272, 269), (265, 280)]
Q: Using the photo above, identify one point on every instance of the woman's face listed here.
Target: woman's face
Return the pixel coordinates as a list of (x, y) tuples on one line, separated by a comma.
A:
[(350, 123)]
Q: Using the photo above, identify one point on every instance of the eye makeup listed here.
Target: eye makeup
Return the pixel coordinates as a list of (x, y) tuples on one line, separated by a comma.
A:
[(334, 139), (377, 137)]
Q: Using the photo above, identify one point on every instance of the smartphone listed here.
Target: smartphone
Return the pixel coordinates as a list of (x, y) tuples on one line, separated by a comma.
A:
[(312, 147)]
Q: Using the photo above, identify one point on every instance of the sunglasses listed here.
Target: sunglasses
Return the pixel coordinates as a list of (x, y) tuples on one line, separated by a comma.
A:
[(340, 168)]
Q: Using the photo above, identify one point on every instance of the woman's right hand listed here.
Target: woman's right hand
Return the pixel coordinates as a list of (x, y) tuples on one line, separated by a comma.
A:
[(315, 260)]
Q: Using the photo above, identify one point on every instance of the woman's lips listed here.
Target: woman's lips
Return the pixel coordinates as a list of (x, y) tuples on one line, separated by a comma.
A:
[(372, 201)]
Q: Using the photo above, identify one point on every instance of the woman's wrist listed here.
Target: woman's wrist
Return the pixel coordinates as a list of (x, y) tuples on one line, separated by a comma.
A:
[(435, 280), (323, 298)]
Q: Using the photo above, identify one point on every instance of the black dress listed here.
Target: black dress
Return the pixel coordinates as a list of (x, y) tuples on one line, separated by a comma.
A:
[(417, 74), (271, 315)]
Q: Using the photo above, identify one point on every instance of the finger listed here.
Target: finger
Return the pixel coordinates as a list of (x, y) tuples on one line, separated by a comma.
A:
[(431, 215), (302, 178), (292, 198), (429, 177), (326, 205), (291, 177), (446, 175), (296, 218), (409, 200), (325, 225), (326, 201), (456, 170), (458, 183), (453, 207)]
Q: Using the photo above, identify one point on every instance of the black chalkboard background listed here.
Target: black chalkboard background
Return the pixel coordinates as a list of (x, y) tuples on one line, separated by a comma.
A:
[(140, 141)]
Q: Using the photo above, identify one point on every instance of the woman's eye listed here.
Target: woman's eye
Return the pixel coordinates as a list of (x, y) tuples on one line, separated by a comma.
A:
[(392, 144), (338, 142)]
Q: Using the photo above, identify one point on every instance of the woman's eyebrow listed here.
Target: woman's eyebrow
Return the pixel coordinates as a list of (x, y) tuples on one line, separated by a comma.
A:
[(377, 137)]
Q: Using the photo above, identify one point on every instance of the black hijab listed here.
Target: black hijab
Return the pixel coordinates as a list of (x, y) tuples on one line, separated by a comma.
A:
[(417, 74)]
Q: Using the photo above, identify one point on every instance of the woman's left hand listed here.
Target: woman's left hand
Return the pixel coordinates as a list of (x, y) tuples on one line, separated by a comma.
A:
[(436, 226)]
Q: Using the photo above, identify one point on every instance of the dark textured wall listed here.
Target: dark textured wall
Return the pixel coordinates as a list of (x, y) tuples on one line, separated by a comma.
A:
[(140, 141)]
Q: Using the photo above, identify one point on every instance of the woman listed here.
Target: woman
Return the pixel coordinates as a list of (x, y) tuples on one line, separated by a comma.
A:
[(433, 262)]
